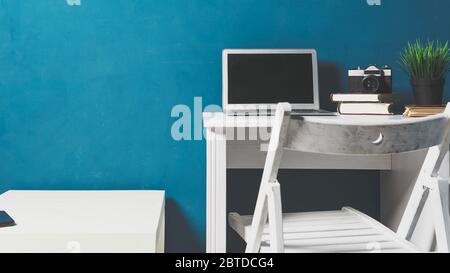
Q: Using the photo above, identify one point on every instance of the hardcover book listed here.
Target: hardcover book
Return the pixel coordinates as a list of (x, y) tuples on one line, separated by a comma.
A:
[(361, 97), (423, 111), (365, 108)]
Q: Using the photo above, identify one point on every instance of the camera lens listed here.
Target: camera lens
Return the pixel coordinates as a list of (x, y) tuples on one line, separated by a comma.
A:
[(371, 83)]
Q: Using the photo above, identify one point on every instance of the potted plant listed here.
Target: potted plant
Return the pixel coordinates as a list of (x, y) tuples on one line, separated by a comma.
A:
[(427, 65)]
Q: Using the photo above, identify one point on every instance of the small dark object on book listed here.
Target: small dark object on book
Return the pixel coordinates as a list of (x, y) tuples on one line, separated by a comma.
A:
[(6, 220)]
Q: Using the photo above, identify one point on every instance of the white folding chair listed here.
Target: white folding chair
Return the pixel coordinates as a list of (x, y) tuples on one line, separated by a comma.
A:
[(348, 230)]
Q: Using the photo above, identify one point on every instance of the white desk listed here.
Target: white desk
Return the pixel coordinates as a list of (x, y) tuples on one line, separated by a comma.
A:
[(235, 142), (83, 221)]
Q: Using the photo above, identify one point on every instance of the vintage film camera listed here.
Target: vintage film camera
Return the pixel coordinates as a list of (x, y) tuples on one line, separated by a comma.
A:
[(371, 80)]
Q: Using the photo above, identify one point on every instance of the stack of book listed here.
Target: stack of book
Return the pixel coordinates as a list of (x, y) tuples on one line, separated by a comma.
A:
[(423, 111), (363, 104)]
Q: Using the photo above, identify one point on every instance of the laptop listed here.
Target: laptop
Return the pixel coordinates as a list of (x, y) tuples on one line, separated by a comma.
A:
[(255, 80)]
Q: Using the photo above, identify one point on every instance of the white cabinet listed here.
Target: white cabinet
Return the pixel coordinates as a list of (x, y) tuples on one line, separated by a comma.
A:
[(83, 221)]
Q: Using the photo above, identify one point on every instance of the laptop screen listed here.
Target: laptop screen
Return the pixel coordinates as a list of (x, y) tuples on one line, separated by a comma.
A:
[(270, 78)]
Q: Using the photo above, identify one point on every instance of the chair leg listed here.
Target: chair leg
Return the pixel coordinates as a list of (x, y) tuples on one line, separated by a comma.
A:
[(413, 211), (419, 195), (271, 166), (258, 222), (441, 212), (275, 218)]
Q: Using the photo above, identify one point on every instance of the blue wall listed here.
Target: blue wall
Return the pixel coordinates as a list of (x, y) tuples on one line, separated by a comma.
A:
[(86, 91)]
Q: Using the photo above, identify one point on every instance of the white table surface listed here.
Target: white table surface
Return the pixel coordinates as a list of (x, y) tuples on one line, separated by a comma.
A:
[(83, 221), (220, 119)]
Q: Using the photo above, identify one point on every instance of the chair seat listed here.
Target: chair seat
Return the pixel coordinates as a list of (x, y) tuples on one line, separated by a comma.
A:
[(346, 230)]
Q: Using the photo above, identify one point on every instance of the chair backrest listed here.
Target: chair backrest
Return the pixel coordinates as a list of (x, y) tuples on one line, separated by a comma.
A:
[(363, 135)]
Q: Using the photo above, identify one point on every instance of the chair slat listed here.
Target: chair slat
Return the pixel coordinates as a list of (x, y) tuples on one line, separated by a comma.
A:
[(294, 217), (328, 234), (393, 250), (341, 248), (300, 229), (352, 239)]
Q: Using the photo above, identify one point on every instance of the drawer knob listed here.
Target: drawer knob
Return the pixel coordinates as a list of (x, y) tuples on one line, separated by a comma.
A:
[(378, 140)]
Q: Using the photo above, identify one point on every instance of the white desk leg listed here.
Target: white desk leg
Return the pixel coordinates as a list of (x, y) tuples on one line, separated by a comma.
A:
[(216, 188)]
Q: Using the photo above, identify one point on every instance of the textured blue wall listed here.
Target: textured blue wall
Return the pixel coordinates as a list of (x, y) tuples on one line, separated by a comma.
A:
[(86, 91)]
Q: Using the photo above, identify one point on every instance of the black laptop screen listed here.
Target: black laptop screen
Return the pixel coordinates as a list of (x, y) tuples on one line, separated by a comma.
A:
[(270, 78)]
